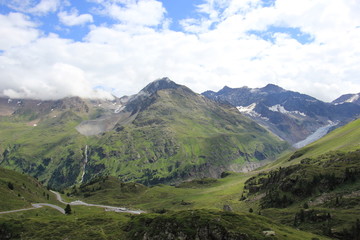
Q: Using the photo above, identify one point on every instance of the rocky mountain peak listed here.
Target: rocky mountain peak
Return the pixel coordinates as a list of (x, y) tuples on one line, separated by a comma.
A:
[(160, 84), (272, 88)]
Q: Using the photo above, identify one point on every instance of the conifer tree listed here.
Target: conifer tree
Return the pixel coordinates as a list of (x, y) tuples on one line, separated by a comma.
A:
[(67, 209)]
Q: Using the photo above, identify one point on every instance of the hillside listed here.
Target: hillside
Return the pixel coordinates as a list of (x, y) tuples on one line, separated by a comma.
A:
[(317, 187), (19, 191), (164, 134), (181, 135)]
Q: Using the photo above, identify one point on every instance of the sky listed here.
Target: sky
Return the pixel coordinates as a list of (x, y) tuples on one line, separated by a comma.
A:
[(50, 49)]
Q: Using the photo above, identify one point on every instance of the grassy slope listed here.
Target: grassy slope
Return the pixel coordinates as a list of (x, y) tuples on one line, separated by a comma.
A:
[(344, 139), (324, 175), (40, 151), (47, 223), (94, 223), (181, 135), (26, 190)]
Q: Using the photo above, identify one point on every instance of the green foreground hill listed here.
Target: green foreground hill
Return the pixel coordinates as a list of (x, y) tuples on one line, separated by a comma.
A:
[(316, 188)]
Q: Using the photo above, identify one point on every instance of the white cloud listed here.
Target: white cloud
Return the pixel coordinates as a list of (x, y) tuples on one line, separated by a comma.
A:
[(73, 18), (45, 6), (140, 12), (15, 30), (127, 55), (37, 7)]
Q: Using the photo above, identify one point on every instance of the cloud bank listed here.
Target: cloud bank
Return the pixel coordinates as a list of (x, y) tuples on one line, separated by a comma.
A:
[(309, 46)]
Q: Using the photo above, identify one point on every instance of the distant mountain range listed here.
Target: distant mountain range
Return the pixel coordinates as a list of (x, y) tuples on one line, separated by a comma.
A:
[(164, 134), (348, 98), (297, 118)]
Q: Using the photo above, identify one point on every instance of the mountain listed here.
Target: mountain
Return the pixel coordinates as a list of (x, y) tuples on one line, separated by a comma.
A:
[(297, 118), (164, 134), (347, 98)]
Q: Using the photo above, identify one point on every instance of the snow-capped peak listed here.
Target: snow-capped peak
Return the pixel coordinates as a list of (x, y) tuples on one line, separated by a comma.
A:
[(353, 98), (347, 98)]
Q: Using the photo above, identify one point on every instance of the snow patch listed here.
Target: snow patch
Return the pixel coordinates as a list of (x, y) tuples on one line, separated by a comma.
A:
[(281, 109), (353, 98), (249, 110), (119, 109)]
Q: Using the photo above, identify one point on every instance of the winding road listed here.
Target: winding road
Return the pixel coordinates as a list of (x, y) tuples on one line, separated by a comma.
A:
[(107, 208), (74, 203)]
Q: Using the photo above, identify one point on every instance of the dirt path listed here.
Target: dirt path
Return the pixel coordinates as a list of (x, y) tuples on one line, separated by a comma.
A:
[(18, 210), (107, 208), (35, 206), (74, 203)]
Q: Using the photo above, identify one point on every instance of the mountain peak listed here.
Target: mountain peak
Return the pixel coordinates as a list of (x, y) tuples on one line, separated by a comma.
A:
[(160, 84), (272, 88), (348, 98)]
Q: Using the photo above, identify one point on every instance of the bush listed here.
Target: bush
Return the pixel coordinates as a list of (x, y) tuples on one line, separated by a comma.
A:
[(10, 186)]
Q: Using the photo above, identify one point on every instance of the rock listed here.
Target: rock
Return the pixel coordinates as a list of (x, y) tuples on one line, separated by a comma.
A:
[(269, 233), (227, 208)]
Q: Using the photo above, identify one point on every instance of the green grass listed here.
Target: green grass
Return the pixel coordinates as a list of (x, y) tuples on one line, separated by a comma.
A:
[(46, 223), (24, 191), (344, 139)]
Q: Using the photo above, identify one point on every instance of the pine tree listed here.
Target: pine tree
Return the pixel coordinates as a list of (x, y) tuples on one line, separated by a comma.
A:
[(67, 209)]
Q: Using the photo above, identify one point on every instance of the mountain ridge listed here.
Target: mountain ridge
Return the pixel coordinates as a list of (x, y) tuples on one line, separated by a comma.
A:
[(290, 115), (163, 134)]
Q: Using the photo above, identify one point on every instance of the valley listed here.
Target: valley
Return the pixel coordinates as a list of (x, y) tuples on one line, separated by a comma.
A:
[(168, 163)]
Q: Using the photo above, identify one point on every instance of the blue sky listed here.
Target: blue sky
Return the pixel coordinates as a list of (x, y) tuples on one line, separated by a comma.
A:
[(57, 48)]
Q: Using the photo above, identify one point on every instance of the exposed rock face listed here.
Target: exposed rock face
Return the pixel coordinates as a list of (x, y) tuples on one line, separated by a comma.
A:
[(289, 115)]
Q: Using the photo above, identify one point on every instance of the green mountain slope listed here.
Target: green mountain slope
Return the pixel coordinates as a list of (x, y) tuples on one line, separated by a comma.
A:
[(344, 139), (164, 134), (50, 150), (19, 191), (181, 135), (317, 188)]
